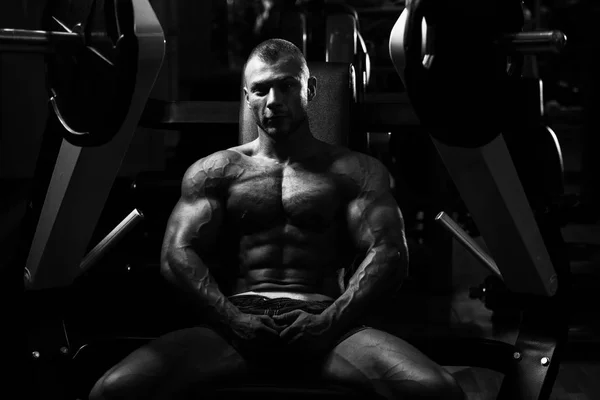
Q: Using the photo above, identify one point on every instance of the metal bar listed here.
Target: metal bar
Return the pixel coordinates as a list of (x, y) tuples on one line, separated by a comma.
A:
[(488, 183), (534, 42), (28, 41), (341, 38), (376, 113), (111, 240), (178, 114), (471, 245)]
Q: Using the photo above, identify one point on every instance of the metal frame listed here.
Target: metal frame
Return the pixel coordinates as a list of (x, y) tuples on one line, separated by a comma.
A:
[(487, 181), (490, 187), (82, 177)]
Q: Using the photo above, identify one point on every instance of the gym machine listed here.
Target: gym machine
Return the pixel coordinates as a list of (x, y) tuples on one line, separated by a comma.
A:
[(102, 59), (463, 75), (133, 57)]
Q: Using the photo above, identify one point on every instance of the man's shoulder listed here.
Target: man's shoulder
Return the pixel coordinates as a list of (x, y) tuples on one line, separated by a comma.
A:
[(356, 164), (217, 163), (214, 169), (362, 172)]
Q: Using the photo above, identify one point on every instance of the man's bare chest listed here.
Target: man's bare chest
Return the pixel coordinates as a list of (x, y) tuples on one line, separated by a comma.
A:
[(265, 197)]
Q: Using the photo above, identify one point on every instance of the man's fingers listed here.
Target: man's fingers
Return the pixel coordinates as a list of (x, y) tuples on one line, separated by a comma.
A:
[(288, 317), (289, 332), (294, 339), (271, 323), (271, 330), (285, 333)]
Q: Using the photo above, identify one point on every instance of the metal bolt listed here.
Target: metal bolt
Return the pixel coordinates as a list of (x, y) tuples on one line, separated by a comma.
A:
[(35, 354), (64, 350), (545, 361), (517, 355)]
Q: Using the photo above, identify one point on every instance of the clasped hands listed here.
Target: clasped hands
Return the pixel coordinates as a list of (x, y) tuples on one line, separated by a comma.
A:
[(297, 330)]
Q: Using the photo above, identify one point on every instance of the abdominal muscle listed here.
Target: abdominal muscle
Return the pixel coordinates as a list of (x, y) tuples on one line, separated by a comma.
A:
[(282, 265)]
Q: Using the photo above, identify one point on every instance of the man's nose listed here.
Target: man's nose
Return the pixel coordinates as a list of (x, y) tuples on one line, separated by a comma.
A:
[(274, 98)]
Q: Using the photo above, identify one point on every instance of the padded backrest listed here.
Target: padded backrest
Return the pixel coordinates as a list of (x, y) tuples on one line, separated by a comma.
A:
[(329, 113)]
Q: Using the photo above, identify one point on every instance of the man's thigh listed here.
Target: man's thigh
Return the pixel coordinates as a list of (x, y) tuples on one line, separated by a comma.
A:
[(382, 362), (175, 362)]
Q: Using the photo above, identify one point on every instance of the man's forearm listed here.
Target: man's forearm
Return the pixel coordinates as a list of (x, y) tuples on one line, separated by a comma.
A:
[(193, 276), (382, 270)]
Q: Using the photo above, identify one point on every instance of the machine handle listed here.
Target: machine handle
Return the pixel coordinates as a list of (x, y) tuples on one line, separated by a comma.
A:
[(111, 239), (536, 42), (45, 42), (471, 245)]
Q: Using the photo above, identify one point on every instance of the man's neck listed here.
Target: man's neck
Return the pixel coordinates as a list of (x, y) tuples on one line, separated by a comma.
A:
[(298, 145)]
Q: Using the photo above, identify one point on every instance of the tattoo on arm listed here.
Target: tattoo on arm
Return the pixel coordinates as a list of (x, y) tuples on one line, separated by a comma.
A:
[(377, 227), (193, 228)]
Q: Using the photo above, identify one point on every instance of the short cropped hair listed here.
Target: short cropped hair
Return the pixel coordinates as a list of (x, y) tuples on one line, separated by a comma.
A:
[(272, 50)]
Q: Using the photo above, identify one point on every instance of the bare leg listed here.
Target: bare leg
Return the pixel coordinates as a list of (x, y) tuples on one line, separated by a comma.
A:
[(390, 366), (170, 366)]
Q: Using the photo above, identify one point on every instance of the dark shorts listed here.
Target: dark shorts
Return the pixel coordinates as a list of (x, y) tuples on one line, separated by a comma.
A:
[(260, 305)]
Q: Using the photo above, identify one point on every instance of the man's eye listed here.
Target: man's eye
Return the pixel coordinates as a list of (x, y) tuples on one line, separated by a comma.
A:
[(286, 86)]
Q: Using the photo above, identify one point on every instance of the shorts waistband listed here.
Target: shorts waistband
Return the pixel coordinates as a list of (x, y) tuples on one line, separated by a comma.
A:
[(261, 305)]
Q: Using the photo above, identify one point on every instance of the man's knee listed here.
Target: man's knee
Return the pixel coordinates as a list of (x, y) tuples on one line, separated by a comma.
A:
[(102, 388), (439, 384), (113, 385)]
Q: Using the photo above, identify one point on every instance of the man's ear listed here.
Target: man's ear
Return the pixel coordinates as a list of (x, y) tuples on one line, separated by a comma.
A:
[(246, 96), (312, 88)]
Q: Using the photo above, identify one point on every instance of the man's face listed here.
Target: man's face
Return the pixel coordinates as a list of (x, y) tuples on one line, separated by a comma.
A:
[(278, 94)]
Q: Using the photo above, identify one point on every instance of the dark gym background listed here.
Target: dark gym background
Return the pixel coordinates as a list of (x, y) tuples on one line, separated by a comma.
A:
[(202, 63)]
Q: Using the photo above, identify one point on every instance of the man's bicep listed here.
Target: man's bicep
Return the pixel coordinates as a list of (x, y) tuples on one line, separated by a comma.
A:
[(196, 223), (375, 220), (197, 216), (192, 226), (374, 215)]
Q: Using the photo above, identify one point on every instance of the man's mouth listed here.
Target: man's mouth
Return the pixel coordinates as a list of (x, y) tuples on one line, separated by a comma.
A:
[(275, 119)]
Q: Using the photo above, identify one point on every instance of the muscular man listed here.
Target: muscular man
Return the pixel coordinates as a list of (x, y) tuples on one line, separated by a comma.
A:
[(259, 240)]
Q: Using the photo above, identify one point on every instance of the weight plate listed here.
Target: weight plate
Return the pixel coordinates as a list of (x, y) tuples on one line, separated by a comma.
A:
[(91, 86), (463, 90)]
